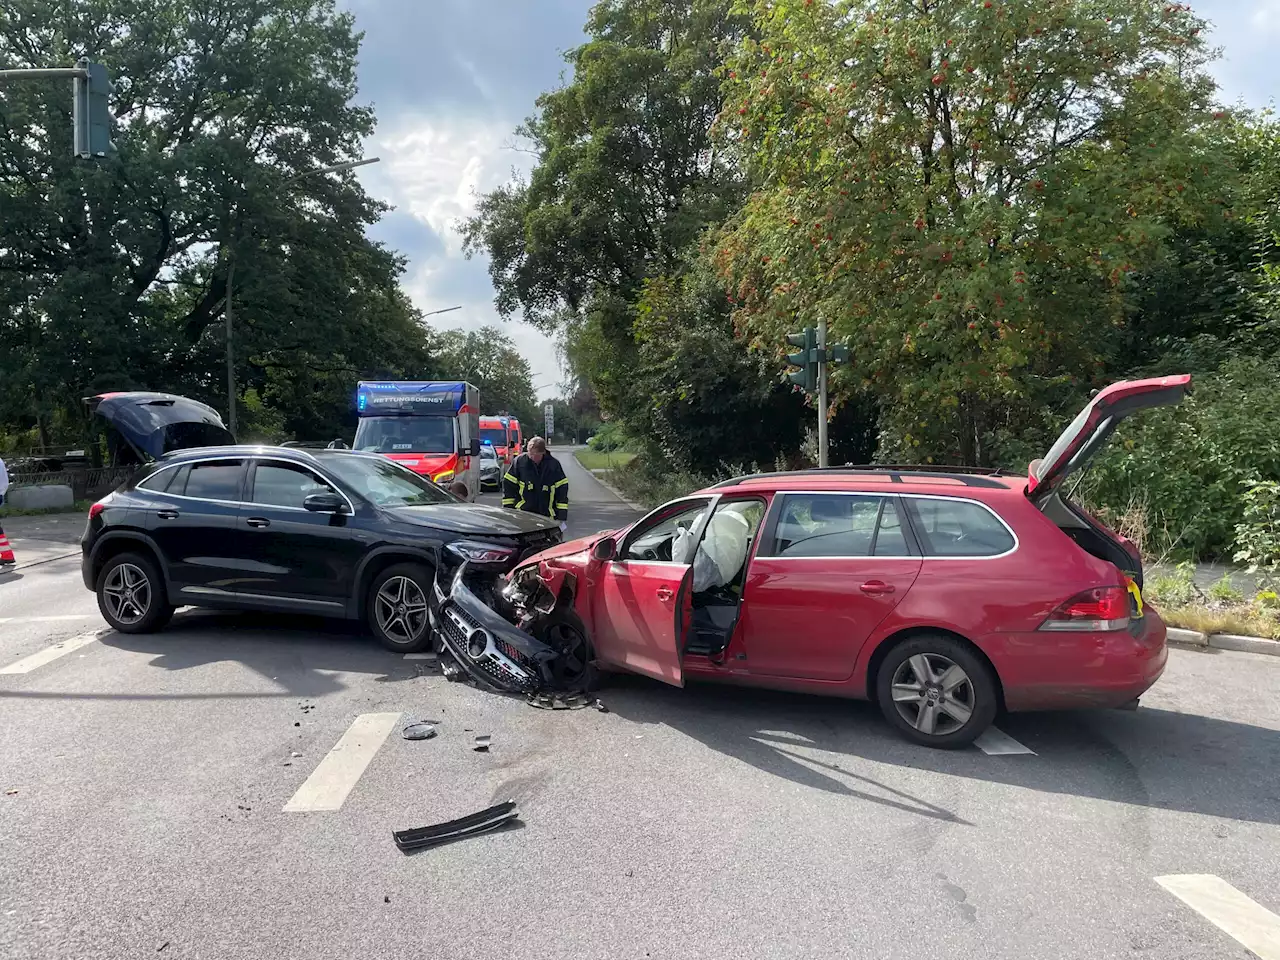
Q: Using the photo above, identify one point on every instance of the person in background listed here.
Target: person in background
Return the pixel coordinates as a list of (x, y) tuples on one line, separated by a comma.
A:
[(536, 483), (7, 558), (459, 490)]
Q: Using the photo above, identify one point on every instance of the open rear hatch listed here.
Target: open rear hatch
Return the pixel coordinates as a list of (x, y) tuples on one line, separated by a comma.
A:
[(149, 425), (1078, 445)]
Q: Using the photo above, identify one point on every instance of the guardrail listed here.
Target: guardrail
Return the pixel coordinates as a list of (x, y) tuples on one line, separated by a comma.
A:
[(86, 484)]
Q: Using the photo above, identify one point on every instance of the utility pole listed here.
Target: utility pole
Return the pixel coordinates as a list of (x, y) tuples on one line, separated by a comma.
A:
[(822, 393), (230, 295)]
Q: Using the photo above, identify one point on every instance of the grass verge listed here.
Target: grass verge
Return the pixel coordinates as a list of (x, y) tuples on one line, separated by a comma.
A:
[(1246, 621), (604, 459), (80, 506)]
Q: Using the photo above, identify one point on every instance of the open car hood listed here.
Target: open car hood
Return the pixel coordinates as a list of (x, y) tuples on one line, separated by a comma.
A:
[(1093, 426), (158, 423)]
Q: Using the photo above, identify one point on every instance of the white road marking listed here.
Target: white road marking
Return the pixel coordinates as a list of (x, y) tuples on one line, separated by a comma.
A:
[(53, 619), (49, 654), (1247, 922), (996, 743), (420, 656), (339, 771)]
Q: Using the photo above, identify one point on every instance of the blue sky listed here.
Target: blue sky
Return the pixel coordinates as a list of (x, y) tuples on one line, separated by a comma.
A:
[(450, 80)]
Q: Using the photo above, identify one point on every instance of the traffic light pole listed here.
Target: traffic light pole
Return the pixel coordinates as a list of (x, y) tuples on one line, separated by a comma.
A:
[(822, 393)]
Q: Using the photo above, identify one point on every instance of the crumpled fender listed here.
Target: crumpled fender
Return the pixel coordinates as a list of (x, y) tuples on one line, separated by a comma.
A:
[(562, 583)]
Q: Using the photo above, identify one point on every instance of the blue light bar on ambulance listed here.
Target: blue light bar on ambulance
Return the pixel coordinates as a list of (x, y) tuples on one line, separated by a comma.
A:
[(392, 397)]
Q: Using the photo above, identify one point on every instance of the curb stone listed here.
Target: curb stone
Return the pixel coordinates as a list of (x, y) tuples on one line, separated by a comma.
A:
[(1223, 641), (1228, 641), (1191, 638)]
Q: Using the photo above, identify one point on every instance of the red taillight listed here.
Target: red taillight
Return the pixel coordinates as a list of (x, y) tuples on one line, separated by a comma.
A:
[(96, 509), (1102, 608)]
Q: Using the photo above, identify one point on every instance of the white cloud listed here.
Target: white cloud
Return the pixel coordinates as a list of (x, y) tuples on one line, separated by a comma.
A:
[(433, 171)]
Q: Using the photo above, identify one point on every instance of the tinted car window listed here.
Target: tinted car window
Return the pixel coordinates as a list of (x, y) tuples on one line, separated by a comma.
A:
[(285, 485), (215, 480), (162, 480), (826, 525), (958, 528)]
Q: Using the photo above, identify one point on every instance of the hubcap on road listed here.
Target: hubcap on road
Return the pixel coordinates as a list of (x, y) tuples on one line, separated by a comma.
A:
[(933, 694), (127, 593), (401, 610)]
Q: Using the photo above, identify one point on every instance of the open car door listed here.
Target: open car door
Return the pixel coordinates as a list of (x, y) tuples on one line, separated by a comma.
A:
[(648, 607), (643, 603), (1094, 425)]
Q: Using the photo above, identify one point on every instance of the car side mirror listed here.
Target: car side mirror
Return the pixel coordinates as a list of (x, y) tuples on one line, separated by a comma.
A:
[(475, 447), (605, 549), (324, 503)]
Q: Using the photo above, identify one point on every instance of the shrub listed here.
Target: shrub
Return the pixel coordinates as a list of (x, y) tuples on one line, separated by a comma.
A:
[(1258, 534), (1192, 464)]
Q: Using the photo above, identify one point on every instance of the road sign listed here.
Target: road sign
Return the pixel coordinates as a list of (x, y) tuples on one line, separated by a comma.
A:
[(549, 414)]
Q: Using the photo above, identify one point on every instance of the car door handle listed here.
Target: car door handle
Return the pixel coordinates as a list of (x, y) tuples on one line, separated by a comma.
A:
[(167, 514), (258, 522), (876, 587), (665, 594)]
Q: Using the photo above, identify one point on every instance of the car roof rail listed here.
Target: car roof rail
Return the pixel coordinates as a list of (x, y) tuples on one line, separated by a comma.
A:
[(969, 476)]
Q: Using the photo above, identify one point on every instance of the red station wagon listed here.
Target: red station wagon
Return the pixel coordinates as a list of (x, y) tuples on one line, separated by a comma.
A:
[(944, 596)]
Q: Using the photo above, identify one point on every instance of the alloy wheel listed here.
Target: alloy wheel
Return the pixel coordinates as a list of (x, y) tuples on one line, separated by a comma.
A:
[(127, 593), (401, 610), (574, 652), (933, 694)]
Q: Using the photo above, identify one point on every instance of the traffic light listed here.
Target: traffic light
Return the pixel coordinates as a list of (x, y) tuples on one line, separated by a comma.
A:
[(91, 112), (806, 359)]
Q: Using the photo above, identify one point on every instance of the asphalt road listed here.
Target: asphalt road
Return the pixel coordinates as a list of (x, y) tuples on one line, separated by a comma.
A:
[(149, 777)]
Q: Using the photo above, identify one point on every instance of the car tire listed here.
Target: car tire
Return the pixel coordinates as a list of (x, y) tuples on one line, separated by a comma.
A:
[(565, 631), (960, 705), (397, 607), (131, 593)]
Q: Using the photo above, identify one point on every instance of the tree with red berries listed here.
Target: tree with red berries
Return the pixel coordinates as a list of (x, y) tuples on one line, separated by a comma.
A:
[(964, 189)]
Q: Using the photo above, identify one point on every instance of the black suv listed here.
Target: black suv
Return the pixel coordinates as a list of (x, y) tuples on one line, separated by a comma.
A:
[(330, 532)]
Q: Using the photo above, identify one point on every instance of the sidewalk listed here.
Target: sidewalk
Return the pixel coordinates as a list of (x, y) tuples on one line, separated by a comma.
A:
[(44, 538)]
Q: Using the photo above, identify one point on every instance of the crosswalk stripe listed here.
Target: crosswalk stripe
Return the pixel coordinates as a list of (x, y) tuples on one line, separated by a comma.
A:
[(420, 656), (996, 743), (1246, 921), (49, 654), (58, 618), (340, 770)]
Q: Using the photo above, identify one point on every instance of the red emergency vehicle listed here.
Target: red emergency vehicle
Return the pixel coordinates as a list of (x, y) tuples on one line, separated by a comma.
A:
[(430, 426)]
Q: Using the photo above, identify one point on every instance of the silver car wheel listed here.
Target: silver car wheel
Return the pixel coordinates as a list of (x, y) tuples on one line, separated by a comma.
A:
[(933, 694), (401, 610), (127, 593)]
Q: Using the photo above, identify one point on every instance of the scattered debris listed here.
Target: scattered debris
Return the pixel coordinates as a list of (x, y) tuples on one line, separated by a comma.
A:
[(296, 724), (240, 806), (418, 730), (386, 899), (11, 793), (294, 753), (484, 821), (482, 743), (549, 700), (162, 946)]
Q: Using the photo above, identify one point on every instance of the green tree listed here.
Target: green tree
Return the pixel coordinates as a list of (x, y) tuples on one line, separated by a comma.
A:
[(115, 272), (964, 190), (489, 359), (627, 177)]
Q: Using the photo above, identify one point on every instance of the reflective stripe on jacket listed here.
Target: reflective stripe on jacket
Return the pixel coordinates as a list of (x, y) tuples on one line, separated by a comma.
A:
[(540, 488)]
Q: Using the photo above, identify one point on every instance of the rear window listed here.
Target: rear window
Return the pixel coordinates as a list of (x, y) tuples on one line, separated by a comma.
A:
[(958, 528)]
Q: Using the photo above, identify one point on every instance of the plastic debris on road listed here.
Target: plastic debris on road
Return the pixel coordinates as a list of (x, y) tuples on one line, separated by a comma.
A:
[(418, 730), (484, 821)]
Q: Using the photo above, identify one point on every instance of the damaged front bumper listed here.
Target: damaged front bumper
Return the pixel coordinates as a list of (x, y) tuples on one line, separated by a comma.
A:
[(488, 646)]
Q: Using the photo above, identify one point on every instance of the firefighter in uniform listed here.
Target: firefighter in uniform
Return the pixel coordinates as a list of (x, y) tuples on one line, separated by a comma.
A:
[(536, 483)]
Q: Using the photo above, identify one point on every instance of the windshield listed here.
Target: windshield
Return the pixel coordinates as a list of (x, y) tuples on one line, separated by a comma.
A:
[(386, 483), (406, 435), (495, 435)]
